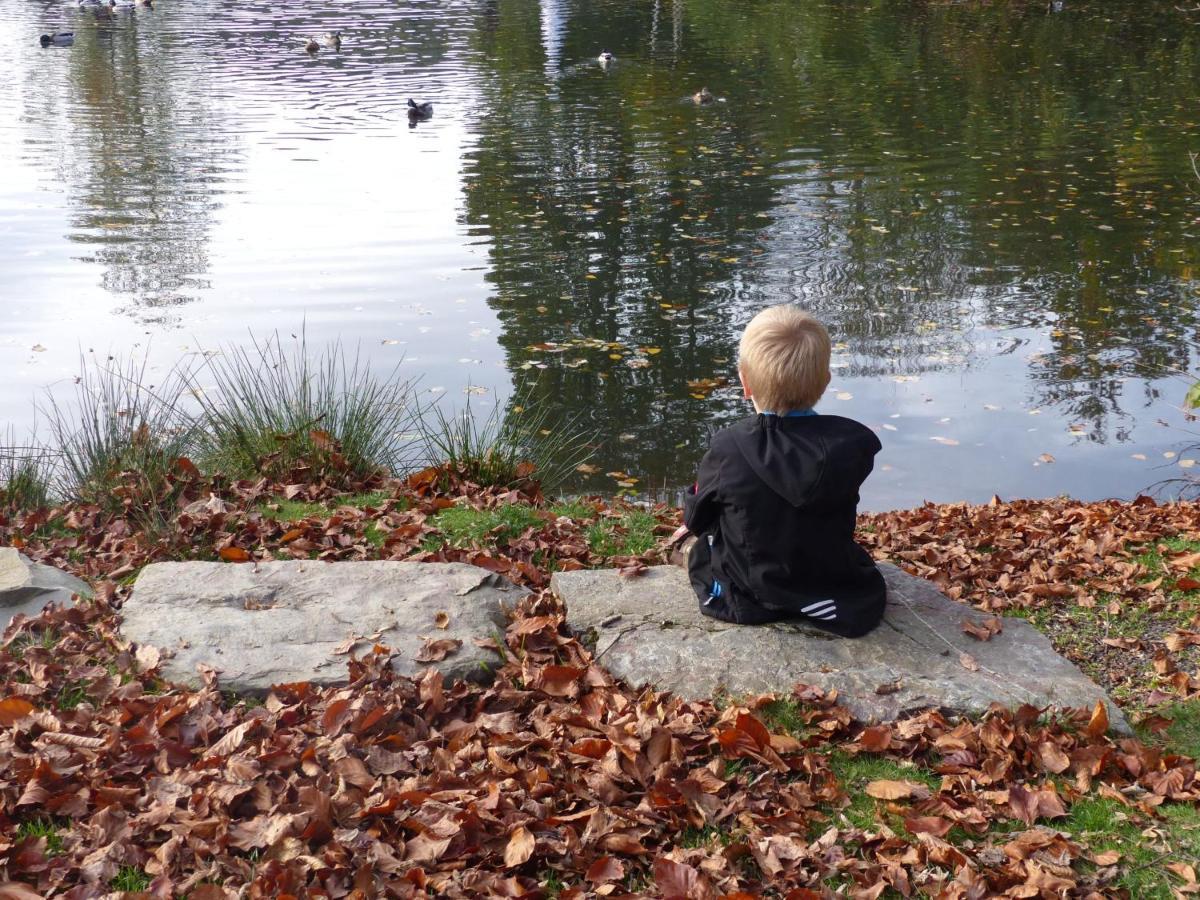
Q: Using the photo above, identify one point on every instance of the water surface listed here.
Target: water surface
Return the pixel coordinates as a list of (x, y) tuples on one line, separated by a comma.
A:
[(992, 207)]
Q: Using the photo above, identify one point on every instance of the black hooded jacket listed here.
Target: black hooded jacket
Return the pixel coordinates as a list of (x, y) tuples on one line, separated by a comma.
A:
[(774, 507)]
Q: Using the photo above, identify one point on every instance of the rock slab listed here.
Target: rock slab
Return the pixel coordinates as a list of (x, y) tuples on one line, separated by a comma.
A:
[(27, 587), (649, 630), (278, 622)]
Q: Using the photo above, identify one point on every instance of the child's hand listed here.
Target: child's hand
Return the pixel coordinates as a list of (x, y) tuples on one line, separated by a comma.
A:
[(680, 533)]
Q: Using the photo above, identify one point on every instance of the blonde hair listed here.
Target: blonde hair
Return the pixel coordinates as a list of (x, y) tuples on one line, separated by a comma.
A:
[(784, 359)]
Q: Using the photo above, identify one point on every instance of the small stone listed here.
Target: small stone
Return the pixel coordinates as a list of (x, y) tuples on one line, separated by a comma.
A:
[(27, 587), (278, 622), (910, 662)]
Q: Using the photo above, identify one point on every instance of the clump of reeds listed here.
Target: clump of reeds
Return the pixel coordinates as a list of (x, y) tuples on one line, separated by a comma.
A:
[(274, 410), (25, 475), (512, 446), (124, 442)]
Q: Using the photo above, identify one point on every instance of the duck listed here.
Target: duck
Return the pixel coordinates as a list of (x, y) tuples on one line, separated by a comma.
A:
[(605, 57), (333, 40), (419, 110), (59, 39), (702, 96), (312, 46)]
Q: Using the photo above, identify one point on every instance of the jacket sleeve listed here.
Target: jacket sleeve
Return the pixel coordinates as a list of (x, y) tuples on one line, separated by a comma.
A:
[(702, 503)]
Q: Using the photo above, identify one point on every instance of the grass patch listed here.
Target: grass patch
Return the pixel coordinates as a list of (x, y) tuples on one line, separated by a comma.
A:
[(72, 695), (1182, 736), (631, 534), (130, 879), (708, 836), (508, 448), (277, 410), (283, 510), (783, 716), (29, 640), (855, 772), (462, 526), (578, 510), (42, 828), (1101, 824)]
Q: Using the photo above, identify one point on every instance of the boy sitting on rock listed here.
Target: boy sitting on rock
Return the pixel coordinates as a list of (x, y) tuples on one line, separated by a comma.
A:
[(775, 502)]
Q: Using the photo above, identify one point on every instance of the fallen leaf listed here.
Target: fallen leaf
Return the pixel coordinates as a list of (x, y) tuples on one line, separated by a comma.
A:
[(14, 708), (437, 649), (520, 847), (968, 662), (895, 790)]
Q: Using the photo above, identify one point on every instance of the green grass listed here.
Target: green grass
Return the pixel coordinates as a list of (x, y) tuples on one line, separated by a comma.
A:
[(462, 526), (283, 510), (551, 882), (130, 879), (42, 828), (1182, 736), (632, 534), (1101, 824), (708, 836), (578, 510), (783, 716), (45, 640), (855, 772), (72, 695)]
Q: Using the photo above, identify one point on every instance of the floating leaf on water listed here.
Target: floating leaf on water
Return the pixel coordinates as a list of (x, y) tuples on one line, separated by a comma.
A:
[(1186, 463), (587, 469), (1170, 454), (38, 348), (1140, 456), (1046, 458), (949, 442), (844, 395)]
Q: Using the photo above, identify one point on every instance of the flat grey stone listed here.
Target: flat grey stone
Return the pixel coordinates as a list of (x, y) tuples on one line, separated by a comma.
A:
[(649, 629), (278, 622), (27, 587)]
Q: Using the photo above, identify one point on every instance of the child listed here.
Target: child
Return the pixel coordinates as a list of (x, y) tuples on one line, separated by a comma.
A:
[(776, 499)]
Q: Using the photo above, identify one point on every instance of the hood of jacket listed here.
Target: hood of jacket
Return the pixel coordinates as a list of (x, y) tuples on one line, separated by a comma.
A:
[(807, 459)]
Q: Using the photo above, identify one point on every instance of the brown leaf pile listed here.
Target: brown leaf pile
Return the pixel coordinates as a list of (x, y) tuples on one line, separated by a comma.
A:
[(397, 788), (1061, 554), (556, 776)]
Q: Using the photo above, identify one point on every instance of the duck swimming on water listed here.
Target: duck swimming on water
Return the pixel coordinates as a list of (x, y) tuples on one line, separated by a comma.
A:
[(312, 46), (419, 110), (702, 96), (333, 40), (60, 39), (605, 57)]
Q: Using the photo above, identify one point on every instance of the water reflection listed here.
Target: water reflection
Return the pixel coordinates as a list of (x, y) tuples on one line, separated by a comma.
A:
[(919, 178), (992, 207)]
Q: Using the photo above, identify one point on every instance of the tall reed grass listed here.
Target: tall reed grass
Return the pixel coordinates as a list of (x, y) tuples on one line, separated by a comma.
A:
[(125, 442), (276, 410), (520, 443), (270, 409), (26, 471)]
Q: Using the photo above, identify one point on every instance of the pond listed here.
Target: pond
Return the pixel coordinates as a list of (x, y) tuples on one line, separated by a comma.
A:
[(992, 207)]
